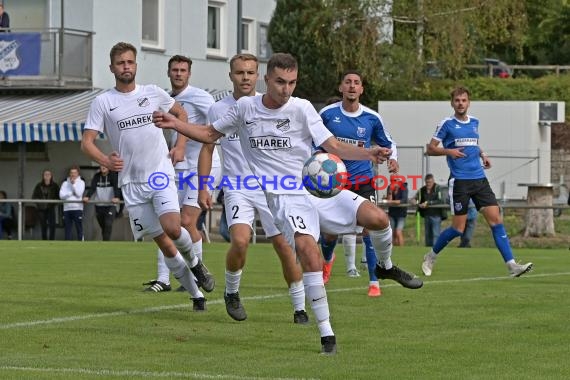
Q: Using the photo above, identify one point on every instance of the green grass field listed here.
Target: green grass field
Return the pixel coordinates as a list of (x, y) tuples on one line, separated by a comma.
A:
[(73, 310)]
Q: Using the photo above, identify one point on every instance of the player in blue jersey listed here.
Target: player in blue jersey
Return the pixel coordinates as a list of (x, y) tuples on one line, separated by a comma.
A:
[(459, 136), (353, 123)]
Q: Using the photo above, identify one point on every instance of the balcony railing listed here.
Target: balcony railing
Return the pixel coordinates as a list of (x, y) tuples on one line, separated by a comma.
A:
[(65, 61)]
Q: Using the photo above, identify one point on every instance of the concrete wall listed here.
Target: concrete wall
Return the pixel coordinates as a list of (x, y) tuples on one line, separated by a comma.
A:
[(509, 132)]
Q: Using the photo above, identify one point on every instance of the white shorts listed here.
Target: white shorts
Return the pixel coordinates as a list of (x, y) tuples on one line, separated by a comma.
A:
[(337, 215), (240, 209), (145, 205), (188, 194), (294, 213)]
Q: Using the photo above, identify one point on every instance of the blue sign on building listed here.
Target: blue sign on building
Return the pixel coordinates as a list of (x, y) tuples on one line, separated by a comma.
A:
[(20, 53)]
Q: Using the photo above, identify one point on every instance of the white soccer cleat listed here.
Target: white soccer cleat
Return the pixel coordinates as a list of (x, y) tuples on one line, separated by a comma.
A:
[(427, 265), (517, 270)]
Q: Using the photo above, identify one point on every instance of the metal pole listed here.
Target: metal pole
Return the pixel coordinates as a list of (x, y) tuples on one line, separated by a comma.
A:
[(239, 27), (60, 63)]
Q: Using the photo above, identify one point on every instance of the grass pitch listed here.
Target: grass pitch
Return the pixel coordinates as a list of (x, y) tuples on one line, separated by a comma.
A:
[(72, 310)]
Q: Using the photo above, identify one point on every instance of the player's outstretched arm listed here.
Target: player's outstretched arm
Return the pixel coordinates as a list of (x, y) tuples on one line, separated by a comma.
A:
[(203, 133), (350, 152)]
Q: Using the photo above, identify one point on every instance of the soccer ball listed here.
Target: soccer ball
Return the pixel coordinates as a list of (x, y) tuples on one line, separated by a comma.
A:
[(322, 175)]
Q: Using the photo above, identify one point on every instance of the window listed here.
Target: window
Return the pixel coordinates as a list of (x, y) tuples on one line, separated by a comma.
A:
[(216, 44), (34, 151), (264, 50), (152, 24), (247, 39)]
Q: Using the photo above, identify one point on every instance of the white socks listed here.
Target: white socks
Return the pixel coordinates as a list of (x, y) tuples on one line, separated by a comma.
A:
[(232, 281), (297, 293), (184, 245), (163, 273), (180, 270), (317, 296), (349, 243), (382, 242)]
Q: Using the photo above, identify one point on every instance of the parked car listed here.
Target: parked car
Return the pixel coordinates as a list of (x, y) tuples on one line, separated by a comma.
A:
[(499, 68)]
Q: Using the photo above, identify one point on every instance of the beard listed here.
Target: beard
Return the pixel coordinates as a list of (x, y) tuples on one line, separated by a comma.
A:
[(125, 79)]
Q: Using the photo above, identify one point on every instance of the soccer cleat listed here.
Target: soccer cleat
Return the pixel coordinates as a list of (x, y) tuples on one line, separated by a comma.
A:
[(517, 270), (300, 317), (157, 286), (352, 273), (234, 307), (328, 345), (407, 280), (199, 304), (428, 263), (327, 268), (374, 291), (204, 278)]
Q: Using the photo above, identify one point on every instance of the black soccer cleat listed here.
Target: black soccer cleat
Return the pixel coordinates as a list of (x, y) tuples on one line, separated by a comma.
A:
[(300, 317), (407, 280), (328, 345), (204, 278), (199, 304), (234, 307), (157, 286)]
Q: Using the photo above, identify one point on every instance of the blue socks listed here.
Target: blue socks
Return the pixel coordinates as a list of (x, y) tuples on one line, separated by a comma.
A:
[(444, 238), (370, 257), (328, 249), (502, 242)]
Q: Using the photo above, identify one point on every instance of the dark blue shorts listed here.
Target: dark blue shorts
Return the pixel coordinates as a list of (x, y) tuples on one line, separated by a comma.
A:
[(464, 189)]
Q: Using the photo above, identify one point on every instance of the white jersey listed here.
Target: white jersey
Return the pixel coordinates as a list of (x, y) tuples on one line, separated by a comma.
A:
[(197, 103), (275, 142), (234, 163), (126, 119)]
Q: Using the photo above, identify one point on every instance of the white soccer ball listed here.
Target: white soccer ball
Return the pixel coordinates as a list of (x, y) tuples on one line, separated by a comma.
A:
[(323, 175)]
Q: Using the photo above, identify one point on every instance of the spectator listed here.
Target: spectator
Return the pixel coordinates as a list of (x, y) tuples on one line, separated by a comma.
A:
[(105, 186), (72, 190), (46, 189), (469, 226), (4, 19), (6, 216), (428, 196), (397, 194)]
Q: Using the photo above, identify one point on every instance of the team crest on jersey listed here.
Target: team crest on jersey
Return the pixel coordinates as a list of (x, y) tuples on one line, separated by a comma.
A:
[(458, 206), (361, 131), (143, 102), (283, 125)]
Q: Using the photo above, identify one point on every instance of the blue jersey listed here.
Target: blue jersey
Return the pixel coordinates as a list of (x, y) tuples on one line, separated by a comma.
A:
[(454, 133), (359, 128)]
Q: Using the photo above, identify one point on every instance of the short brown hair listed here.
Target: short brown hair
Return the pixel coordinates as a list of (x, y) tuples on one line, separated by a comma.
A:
[(120, 48), (460, 91), (243, 57), (283, 61), (180, 58), (351, 71)]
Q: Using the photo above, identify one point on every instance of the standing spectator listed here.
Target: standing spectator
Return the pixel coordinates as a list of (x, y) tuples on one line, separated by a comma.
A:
[(105, 186), (72, 190), (46, 189), (428, 196), (397, 194), (6, 216), (4, 19), (469, 226)]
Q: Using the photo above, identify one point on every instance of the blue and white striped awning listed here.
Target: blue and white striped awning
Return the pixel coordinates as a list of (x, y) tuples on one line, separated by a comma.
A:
[(44, 118)]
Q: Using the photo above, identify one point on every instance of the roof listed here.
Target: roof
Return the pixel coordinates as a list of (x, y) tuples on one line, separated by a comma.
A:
[(45, 117)]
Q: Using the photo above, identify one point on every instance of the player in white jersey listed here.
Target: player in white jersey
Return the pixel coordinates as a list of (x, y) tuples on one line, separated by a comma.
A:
[(276, 133), (141, 156), (196, 103), (241, 204)]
